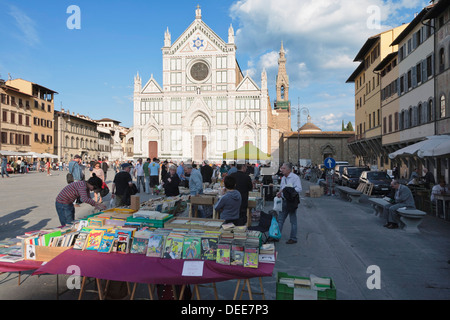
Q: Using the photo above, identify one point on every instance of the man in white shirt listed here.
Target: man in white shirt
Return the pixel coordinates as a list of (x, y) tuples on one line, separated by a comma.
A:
[(291, 180), (439, 189), (139, 174)]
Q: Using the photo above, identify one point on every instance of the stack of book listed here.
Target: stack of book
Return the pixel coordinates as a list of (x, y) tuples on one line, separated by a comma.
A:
[(11, 250), (267, 253)]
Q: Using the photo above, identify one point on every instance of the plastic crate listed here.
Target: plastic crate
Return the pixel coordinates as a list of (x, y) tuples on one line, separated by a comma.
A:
[(284, 292), (151, 222)]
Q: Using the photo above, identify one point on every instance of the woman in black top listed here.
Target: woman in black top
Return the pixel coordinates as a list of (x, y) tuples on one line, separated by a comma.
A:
[(170, 182)]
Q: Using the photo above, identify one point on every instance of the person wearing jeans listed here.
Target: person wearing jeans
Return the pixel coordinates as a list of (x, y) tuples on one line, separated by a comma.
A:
[(291, 180), (140, 178), (4, 165)]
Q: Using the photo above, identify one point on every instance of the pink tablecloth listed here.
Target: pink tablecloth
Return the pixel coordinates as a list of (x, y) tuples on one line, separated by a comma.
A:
[(25, 265), (142, 269)]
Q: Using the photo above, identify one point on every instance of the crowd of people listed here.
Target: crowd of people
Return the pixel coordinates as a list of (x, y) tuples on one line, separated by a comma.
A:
[(238, 179)]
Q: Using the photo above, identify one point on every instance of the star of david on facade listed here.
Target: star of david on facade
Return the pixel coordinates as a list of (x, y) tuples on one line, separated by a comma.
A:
[(198, 43)]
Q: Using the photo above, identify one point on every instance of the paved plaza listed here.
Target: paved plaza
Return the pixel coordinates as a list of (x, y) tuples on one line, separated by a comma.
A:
[(337, 239)]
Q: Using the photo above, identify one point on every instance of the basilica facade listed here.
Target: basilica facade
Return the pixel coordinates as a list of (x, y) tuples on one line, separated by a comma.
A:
[(206, 105)]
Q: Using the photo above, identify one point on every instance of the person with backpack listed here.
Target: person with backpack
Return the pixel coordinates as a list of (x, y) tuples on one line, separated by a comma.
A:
[(290, 189)]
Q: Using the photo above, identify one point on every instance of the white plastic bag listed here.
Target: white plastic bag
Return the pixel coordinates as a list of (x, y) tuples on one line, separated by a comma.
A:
[(277, 204), (112, 203)]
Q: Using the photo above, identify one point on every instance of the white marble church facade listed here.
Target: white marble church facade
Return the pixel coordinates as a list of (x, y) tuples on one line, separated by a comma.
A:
[(205, 105)]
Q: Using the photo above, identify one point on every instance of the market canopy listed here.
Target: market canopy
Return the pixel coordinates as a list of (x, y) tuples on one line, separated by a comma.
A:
[(432, 146), (247, 152)]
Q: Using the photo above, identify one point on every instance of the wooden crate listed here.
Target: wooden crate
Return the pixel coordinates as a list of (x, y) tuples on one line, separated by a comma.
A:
[(203, 200), (47, 253)]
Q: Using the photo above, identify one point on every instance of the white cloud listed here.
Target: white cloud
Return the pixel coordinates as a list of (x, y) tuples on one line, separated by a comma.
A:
[(26, 26)]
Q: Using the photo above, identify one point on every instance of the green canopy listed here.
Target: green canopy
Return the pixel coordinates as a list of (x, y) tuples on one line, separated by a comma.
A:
[(246, 152)]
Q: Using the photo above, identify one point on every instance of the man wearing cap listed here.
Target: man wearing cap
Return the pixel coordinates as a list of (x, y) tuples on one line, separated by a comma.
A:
[(122, 180)]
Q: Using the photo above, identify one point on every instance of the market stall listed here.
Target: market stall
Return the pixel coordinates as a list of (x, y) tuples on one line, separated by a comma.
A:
[(247, 152), (146, 247)]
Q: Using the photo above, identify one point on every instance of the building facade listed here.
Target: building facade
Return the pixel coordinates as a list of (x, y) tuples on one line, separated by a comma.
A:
[(205, 105), (75, 135), (42, 110), (313, 145), (15, 124), (367, 144), (415, 88)]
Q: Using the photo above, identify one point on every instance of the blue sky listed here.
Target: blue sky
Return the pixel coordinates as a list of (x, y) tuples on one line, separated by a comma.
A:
[(92, 68)]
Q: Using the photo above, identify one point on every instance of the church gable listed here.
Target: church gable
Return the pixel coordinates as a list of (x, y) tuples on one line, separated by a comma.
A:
[(198, 38), (152, 87), (247, 84)]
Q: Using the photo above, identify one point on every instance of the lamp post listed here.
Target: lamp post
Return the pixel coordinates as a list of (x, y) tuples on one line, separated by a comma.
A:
[(305, 112)]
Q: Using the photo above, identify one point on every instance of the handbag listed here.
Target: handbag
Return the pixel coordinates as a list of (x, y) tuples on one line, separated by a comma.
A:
[(104, 190), (274, 230), (69, 178)]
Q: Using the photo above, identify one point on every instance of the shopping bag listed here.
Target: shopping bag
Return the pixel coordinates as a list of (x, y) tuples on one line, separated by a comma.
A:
[(277, 204), (104, 190), (274, 230)]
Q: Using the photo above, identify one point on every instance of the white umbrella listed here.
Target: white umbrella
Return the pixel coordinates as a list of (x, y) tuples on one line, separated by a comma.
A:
[(433, 146)]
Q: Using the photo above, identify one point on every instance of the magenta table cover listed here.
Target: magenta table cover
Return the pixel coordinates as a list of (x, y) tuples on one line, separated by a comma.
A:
[(25, 265), (142, 269)]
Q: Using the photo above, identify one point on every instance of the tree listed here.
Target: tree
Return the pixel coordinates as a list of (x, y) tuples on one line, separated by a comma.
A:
[(349, 126)]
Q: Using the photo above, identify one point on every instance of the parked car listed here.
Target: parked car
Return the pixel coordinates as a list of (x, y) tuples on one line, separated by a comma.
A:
[(350, 176), (381, 181), (338, 170)]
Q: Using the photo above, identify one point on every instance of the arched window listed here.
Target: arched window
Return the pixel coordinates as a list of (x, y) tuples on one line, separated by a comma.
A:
[(282, 92), (442, 110), (430, 110)]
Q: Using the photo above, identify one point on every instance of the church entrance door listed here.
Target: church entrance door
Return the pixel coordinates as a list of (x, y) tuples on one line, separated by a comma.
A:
[(199, 148), (153, 149)]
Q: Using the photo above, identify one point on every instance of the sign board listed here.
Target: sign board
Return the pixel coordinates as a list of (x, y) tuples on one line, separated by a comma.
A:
[(329, 163)]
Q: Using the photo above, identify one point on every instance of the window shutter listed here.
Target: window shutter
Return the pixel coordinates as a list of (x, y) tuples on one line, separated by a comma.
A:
[(432, 64), (416, 116), (433, 110), (398, 87), (414, 77), (424, 70)]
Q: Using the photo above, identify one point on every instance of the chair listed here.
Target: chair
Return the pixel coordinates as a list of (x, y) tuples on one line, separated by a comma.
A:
[(265, 219)]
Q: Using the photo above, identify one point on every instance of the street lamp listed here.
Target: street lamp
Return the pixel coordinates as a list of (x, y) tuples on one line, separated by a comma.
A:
[(305, 111)]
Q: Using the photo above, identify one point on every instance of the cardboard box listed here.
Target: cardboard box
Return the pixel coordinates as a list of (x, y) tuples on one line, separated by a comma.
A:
[(315, 191), (135, 202)]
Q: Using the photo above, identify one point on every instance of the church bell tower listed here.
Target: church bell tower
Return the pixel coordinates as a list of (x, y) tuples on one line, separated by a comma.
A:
[(282, 84)]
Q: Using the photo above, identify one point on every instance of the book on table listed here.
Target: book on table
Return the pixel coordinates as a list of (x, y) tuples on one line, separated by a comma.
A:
[(107, 242), (223, 253), (251, 257), (192, 247), (139, 245), (93, 240), (155, 245), (209, 247)]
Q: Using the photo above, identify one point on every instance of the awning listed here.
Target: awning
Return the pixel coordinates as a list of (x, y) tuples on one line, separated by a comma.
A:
[(11, 153), (246, 152), (433, 146)]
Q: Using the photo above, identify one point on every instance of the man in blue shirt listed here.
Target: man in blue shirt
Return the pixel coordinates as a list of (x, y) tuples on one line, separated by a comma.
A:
[(153, 167), (4, 165), (180, 171), (195, 185)]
